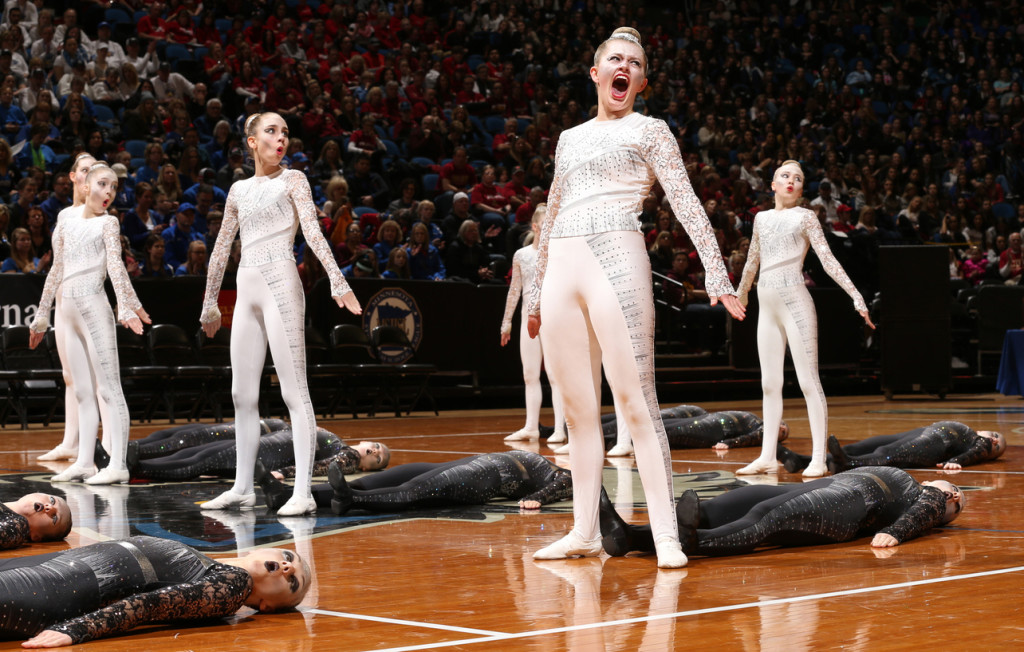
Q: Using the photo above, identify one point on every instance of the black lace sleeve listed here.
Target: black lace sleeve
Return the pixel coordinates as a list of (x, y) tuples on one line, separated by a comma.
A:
[(925, 513), (979, 450), (14, 531), (745, 440), (558, 488), (329, 449), (220, 592), (347, 458)]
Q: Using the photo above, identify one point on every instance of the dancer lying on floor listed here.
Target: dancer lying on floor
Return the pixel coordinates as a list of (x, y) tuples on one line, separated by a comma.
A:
[(275, 452), (106, 588), (879, 500), (32, 518), (175, 438), (472, 480), (718, 430), (944, 444)]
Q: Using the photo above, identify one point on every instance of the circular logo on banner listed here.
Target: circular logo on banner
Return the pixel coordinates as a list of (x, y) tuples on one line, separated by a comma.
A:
[(394, 307)]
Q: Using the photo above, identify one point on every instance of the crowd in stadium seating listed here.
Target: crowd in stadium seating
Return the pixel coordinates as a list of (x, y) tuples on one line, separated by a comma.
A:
[(907, 118)]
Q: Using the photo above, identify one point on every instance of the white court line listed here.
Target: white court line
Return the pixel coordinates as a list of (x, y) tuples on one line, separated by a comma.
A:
[(680, 614), (395, 621)]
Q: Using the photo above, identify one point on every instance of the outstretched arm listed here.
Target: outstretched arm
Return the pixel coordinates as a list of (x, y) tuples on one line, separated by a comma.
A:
[(812, 229), (514, 290), (926, 512), (129, 308), (979, 450), (221, 592), (558, 488), (750, 268), (298, 190), (42, 319), (661, 151), (554, 203), (210, 317)]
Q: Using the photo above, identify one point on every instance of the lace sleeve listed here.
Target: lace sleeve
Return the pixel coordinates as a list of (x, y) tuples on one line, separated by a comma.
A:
[(221, 592), (554, 201), (812, 229), (750, 267), (41, 321), (514, 290), (347, 458), (979, 450), (14, 530), (298, 190), (925, 513), (745, 440), (661, 151), (219, 259), (558, 488), (127, 301)]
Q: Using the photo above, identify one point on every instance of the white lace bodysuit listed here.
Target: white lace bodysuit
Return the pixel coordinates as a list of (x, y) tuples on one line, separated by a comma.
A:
[(85, 252), (781, 238), (524, 267), (603, 171), (264, 210)]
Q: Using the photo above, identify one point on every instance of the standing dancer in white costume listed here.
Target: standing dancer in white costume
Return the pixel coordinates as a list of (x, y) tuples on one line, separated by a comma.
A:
[(270, 306), (86, 249), (597, 304), (782, 236), (68, 448), (524, 265)]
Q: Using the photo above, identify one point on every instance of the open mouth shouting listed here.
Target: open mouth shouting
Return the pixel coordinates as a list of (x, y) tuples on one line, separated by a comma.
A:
[(620, 86)]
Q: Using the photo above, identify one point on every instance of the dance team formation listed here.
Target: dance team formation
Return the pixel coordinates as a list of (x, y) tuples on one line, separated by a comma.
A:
[(568, 216)]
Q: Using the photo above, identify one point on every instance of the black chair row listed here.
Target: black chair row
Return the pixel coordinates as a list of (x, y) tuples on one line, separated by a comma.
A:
[(29, 378), (165, 366)]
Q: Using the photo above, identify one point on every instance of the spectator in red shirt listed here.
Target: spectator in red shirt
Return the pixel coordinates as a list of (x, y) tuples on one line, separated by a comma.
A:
[(502, 142), (366, 141), (468, 94), (458, 175), (152, 25), (516, 191), (1011, 261)]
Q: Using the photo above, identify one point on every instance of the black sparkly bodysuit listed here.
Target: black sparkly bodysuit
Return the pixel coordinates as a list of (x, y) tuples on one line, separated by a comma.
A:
[(14, 530), (941, 442), (170, 440), (828, 510), (517, 475), (608, 425), (110, 587), (217, 457)]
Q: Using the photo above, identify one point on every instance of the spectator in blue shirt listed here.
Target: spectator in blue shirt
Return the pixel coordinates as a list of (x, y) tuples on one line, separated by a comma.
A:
[(180, 235)]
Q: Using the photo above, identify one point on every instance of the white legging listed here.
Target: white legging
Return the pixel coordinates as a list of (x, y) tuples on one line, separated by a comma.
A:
[(91, 362), (788, 314), (270, 308), (531, 351), (597, 307), (70, 441)]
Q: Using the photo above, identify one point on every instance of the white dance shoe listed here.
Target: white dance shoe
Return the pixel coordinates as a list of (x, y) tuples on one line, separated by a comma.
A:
[(230, 499), (109, 476), (562, 450), (524, 435), (297, 506), (621, 450), (59, 452), (759, 466), (670, 554), (571, 545), (558, 437), (815, 470), (73, 473)]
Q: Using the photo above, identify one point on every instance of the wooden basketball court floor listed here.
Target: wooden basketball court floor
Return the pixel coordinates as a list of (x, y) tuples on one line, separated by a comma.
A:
[(464, 578)]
